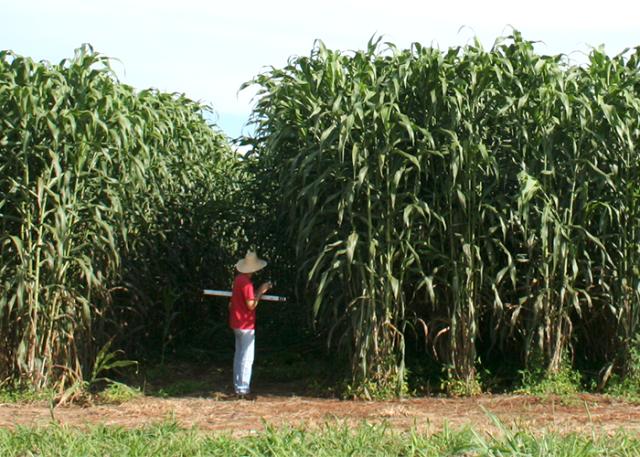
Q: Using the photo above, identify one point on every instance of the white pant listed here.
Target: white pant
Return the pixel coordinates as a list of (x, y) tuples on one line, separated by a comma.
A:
[(243, 360)]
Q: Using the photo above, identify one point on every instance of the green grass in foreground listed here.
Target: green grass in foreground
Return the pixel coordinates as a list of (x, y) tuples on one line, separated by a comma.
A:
[(168, 439)]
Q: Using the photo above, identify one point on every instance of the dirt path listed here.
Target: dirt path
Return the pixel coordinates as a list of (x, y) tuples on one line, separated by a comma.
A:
[(584, 413)]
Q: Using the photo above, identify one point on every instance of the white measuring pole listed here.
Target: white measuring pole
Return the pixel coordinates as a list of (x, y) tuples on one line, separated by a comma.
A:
[(226, 293)]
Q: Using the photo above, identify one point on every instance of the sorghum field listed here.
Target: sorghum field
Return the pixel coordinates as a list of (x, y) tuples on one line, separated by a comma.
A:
[(457, 232)]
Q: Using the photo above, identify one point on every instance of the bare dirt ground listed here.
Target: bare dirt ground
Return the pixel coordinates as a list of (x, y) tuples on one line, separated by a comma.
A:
[(212, 409), (585, 413)]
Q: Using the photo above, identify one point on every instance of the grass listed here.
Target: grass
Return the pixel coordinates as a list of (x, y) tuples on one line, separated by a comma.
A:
[(330, 440)]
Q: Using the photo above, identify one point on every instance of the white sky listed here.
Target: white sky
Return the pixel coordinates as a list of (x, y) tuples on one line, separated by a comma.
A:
[(207, 49)]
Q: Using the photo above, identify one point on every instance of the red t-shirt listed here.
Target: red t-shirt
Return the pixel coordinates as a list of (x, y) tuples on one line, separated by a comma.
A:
[(240, 316)]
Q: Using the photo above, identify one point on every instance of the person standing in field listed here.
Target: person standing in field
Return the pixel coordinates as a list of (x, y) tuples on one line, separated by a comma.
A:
[(242, 320)]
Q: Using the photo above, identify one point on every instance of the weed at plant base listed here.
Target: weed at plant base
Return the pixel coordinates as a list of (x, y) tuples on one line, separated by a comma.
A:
[(461, 387), (628, 386), (455, 386), (81, 390), (370, 389), (117, 392), (565, 382), (25, 394)]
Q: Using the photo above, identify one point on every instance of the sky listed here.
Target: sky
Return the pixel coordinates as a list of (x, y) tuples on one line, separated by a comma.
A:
[(208, 49)]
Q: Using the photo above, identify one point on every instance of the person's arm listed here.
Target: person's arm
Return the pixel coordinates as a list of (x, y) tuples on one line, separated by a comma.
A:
[(253, 303)]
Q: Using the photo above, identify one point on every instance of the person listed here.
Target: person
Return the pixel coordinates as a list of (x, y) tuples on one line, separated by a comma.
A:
[(242, 320)]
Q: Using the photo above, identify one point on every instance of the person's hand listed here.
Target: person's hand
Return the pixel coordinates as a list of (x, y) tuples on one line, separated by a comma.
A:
[(264, 287)]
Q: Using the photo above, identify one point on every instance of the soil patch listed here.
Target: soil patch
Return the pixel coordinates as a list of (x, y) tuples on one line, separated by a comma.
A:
[(199, 396), (584, 413)]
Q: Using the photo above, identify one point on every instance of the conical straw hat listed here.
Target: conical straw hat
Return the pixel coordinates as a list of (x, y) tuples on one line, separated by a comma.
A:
[(251, 263)]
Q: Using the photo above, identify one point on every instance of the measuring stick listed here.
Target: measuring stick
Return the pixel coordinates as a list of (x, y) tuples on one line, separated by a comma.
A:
[(226, 293)]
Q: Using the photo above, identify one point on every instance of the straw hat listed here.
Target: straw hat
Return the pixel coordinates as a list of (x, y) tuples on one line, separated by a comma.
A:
[(251, 263)]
